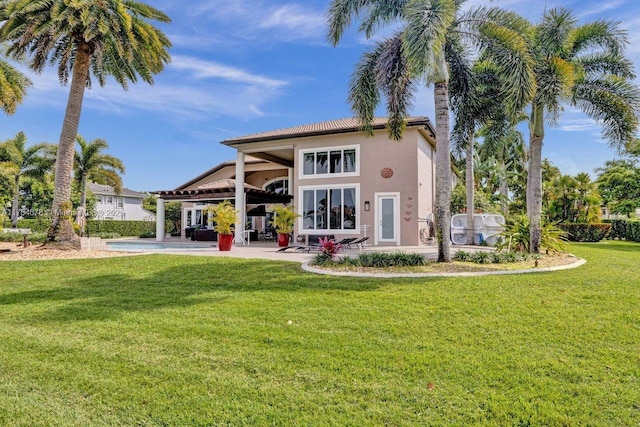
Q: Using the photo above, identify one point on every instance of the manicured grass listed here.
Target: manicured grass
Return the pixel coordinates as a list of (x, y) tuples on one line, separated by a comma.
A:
[(194, 341)]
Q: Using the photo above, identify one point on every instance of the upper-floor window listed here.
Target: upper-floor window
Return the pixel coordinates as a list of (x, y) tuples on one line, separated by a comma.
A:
[(109, 200), (120, 203), (330, 161)]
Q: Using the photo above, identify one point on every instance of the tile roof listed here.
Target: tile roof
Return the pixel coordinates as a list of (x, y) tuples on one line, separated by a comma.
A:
[(106, 190), (323, 128)]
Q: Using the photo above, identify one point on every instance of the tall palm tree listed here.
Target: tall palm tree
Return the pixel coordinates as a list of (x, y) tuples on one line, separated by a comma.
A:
[(104, 38), (91, 164), (19, 161), (582, 66), (426, 49)]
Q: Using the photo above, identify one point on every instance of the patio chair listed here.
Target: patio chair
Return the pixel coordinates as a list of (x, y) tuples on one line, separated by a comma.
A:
[(359, 243), (346, 241)]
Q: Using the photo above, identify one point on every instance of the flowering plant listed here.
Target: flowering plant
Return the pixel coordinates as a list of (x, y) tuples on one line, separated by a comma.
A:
[(329, 247)]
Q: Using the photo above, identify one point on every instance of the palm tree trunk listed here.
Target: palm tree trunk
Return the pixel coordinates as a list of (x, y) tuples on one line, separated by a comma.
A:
[(443, 172), (61, 230), (469, 181), (83, 199), (534, 178), (504, 193), (16, 200)]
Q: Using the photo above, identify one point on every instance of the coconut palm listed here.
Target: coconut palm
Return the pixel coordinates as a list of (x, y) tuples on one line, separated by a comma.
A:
[(425, 49), (17, 162), (581, 66), (104, 38), (91, 164)]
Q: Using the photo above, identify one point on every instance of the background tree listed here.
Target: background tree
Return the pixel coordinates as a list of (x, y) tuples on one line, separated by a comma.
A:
[(108, 38), (619, 185), (424, 50), (91, 164), (20, 162), (582, 66)]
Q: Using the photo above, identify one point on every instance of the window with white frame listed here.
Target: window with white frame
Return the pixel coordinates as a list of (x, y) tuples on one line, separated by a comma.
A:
[(109, 200), (119, 202), (331, 208), (342, 161)]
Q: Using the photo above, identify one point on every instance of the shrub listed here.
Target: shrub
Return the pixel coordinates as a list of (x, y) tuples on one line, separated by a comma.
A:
[(123, 228), (462, 256), (482, 257), (624, 229), (17, 237), (329, 247), (516, 236), (323, 260), (581, 232)]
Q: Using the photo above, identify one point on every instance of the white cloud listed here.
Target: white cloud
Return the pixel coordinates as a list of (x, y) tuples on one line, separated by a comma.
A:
[(294, 21), (189, 89), (578, 125), (212, 70), (252, 19)]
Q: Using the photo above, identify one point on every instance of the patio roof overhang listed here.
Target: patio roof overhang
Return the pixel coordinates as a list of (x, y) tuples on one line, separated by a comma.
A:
[(253, 196)]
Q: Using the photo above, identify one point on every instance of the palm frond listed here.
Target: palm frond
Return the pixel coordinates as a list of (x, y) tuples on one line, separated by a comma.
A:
[(364, 95), (393, 78), (615, 103), (425, 34)]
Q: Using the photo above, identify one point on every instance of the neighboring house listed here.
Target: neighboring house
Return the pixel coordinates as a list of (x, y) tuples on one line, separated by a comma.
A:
[(124, 206), (605, 214), (340, 181)]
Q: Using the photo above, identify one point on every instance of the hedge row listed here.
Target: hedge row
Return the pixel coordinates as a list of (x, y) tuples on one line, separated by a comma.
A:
[(123, 228), (582, 232), (624, 229)]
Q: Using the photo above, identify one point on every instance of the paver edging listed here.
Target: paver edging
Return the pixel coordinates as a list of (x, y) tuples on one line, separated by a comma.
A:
[(309, 268)]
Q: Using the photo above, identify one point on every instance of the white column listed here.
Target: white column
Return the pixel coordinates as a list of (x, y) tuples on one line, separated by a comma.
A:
[(160, 220), (290, 177), (240, 200)]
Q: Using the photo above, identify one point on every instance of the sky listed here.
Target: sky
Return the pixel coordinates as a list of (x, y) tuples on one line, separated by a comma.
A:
[(245, 66)]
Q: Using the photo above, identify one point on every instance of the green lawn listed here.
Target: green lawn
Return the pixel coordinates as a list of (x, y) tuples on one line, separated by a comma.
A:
[(194, 341)]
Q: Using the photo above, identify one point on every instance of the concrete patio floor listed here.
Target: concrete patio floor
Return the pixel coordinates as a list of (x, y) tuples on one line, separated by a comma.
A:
[(269, 250)]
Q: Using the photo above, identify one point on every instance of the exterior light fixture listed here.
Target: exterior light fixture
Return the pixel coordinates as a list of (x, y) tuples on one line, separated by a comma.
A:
[(367, 205)]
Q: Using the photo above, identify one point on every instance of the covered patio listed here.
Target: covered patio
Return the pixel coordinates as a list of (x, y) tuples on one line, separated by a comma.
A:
[(240, 194)]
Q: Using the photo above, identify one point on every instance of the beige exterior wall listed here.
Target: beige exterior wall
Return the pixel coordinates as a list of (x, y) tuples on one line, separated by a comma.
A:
[(411, 163)]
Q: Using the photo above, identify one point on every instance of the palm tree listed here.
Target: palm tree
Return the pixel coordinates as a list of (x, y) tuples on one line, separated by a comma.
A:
[(582, 66), (92, 165), (105, 38), (19, 161), (426, 49), (13, 87)]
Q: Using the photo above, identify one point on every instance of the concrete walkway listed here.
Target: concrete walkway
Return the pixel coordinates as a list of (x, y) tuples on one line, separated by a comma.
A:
[(267, 250)]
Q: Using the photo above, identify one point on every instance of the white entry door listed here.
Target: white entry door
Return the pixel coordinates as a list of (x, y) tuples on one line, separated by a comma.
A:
[(387, 218)]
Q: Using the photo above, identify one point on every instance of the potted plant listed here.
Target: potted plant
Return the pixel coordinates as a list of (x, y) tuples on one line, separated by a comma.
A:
[(224, 216), (283, 222)]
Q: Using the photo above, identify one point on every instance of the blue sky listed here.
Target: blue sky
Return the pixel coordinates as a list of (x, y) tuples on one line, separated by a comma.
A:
[(245, 66)]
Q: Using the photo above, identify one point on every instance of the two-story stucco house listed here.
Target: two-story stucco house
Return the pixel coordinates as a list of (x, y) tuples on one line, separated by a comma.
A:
[(126, 205), (341, 182)]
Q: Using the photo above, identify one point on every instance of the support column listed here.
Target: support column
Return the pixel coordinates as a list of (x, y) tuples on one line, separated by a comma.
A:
[(290, 178), (240, 199), (160, 220)]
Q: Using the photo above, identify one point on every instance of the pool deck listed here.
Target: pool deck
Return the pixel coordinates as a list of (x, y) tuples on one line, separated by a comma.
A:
[(269, 250)]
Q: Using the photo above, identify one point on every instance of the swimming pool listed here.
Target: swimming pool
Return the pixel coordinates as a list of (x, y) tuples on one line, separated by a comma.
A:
[(139, 246)]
